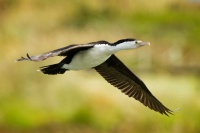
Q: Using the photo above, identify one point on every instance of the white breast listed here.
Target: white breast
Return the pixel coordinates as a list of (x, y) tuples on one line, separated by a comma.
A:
[(90, 58)]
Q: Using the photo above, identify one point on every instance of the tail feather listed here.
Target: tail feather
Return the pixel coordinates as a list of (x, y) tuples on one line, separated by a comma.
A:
[(53, 69)]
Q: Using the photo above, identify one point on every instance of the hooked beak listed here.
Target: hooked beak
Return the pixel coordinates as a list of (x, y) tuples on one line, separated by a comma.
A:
[(140, 43)]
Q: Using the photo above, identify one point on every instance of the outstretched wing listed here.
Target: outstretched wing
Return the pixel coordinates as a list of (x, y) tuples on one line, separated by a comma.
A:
[(65, 51), (117, 74)]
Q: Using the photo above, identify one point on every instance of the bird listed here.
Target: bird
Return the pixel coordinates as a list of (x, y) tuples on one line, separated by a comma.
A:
[(100, 55)]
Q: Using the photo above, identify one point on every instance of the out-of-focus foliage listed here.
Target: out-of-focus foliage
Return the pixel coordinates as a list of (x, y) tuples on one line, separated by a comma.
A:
[(82, 101)]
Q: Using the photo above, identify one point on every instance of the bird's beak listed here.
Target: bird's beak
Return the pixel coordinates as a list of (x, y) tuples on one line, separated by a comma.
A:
[(143, 43)]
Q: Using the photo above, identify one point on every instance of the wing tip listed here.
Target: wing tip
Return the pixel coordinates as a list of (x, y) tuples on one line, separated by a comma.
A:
[(24, 58), (168, 112), (173, 111)]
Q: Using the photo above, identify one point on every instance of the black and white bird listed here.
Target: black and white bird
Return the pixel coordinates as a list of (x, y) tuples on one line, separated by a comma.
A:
[(100, 56)]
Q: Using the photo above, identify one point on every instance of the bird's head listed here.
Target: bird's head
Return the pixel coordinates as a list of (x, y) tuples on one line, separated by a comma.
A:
[(130, 43)]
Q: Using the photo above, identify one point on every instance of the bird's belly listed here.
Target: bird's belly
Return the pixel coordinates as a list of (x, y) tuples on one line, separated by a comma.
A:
[(86, 60)]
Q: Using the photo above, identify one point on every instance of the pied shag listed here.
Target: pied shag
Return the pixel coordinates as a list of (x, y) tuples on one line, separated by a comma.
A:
[(100, 56)]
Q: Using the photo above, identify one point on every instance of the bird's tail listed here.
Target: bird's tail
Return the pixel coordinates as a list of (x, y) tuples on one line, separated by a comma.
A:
[(53, 69)]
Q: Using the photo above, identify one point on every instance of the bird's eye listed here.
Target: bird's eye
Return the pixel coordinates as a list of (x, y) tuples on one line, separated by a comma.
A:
[(138, 41)]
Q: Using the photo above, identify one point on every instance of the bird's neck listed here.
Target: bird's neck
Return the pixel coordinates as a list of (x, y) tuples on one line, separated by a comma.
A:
[(122, 46)]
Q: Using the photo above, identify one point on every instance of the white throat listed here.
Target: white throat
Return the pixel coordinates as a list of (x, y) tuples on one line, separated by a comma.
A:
[(126, 45)]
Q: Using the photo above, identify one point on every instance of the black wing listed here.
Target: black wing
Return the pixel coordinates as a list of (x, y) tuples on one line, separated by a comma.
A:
[(65, 51), (117, 74)]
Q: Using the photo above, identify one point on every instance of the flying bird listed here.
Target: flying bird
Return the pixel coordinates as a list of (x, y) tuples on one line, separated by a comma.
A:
[(100, 56)]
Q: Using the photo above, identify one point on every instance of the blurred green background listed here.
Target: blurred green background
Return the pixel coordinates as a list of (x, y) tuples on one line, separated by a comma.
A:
[(83, 102)]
